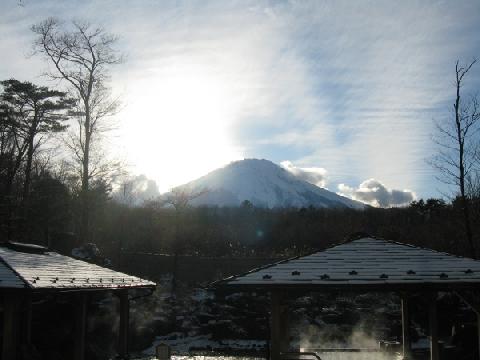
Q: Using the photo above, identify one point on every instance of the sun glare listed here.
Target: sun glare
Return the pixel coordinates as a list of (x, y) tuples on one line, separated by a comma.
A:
[(179, 125)]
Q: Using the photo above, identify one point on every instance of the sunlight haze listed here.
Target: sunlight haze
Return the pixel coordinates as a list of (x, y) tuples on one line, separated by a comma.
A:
[(336, 85)]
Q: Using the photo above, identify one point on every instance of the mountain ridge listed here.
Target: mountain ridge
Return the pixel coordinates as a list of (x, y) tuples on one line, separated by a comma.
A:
[(264, 184)]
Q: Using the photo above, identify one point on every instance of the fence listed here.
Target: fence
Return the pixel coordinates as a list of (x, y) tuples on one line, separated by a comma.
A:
[(189, 269)]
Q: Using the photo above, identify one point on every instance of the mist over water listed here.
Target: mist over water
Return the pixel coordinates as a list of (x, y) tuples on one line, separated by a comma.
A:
[(314, 339), (319, 338)]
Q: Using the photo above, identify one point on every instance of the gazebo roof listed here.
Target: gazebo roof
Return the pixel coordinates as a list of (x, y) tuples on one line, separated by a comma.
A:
[(32, 267), (364, 263)]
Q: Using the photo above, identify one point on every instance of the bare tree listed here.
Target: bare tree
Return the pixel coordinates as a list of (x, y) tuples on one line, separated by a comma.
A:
[(180, 198), (82, 55), (458, 147)]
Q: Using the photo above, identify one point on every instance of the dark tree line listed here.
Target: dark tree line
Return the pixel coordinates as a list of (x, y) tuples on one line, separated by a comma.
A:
[(40, 199), (259, 232), (30, 115)]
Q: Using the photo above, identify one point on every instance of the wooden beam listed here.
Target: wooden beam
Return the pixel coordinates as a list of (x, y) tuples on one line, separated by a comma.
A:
[(80, 315), (10, 339), (471, 298), (432, 317), (275, 326), (405, 327), (124, 324)]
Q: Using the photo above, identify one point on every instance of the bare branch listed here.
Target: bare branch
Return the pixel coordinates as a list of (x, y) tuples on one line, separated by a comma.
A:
[(82, 55)]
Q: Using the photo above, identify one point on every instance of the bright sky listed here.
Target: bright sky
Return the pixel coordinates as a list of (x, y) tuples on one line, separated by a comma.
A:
[(351, 88)]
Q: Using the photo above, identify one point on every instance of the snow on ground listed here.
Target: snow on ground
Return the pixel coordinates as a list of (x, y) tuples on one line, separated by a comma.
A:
[(359, 356), (324, 356), (205, 358), (183, 345)]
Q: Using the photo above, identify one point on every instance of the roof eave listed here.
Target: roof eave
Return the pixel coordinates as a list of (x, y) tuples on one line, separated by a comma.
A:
[(89, 289), (305, 288)]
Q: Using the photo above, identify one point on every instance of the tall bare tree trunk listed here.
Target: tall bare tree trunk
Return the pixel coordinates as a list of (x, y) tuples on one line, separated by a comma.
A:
[(26, 189), (9, 193), (85, 200), (461, 168)]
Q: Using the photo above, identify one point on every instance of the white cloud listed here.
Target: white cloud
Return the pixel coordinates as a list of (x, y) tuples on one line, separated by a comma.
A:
[(313, 175), (374, 193), (136, 190)]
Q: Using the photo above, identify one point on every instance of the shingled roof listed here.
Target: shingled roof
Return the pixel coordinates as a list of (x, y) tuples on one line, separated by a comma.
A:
[(32, 268), (367, 263)]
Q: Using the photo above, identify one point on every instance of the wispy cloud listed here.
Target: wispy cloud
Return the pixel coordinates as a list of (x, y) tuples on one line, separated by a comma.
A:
[(351, 87), (382, 72)]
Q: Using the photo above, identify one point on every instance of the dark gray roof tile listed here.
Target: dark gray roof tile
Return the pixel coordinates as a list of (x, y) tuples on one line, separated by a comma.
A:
[(364, 262), (50, 270)]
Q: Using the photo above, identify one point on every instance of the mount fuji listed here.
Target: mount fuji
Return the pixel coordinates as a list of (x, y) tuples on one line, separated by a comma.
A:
[(263, 184)]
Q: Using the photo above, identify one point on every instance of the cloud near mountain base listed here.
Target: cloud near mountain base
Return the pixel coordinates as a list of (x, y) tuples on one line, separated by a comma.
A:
[(135, 190), (313, 175), (375, 193)]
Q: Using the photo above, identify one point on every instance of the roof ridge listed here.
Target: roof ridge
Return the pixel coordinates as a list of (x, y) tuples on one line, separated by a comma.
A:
[(425, 248), (403, 244), (371, 237)]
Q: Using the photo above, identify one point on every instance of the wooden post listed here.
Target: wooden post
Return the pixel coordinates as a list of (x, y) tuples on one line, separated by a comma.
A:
[(9, 348), (405, 327), (124, 322), (432, 317), (28, 321), (80, 326), (275, 326), (478, 332), (284, 328)]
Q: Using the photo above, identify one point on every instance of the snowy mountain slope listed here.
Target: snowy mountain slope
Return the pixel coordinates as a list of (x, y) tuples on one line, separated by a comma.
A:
[(264, 184)]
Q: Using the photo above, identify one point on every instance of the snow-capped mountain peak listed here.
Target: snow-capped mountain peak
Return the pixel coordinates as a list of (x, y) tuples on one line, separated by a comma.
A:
[(264, 184)]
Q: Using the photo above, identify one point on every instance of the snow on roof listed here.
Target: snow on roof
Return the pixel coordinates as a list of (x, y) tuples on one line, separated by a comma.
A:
[(364, 262), (49, 270)]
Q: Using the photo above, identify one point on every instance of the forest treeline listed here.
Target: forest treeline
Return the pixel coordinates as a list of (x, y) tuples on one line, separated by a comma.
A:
[(244, 231), (250, 231)]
